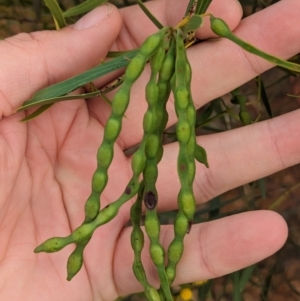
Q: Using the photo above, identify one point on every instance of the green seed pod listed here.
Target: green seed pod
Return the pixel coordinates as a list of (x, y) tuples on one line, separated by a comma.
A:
[(152, 227), (149, 122), (191, 169), (183, 131), (104, 155), (191, 114), (92, 206), (150, 174), (83, 232), (152, 43), (157, 254), (135, 67), (181, 225), (53, 244), (151, 93), (188, 204), (120, 102), (159, 153), (157, 59), (152, 294), (110, 210), (138, 161), (200, 155), (186, 114), (75, 260), (137, 239), (137, 243), (171, 272), (219, 27), (152, 146), (175, 250), (112, 129), (182, 98), (99, 181), (188, 72), (167, 69)]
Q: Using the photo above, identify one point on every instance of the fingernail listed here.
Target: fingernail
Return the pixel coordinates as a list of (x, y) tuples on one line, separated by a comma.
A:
[(95, 17)]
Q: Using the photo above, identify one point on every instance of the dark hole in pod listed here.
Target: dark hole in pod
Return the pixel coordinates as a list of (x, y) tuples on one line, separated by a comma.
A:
[(188, 230), (127, 190), (150, 200)]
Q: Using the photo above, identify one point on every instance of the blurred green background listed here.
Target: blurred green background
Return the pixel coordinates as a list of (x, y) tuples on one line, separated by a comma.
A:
[(278, 277)]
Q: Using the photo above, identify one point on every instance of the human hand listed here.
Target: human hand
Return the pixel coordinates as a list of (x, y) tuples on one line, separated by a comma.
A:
[(47, 164)]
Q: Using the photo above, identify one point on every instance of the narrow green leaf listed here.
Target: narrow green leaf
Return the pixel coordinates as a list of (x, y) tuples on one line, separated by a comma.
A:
[(83, 7), (204, 290), (202, 6), (53, 100), (77, 81), (245, 276), (267, 284), (149, 14), (114, 54), (37, 112), (236, 290), (56, 13)]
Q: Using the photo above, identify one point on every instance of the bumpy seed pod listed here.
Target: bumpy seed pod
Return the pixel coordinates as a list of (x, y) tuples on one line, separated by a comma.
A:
[(137, 243), (186, 162), (152, 152), (157, 252), (186, 121), (53, 244), (219, 27), (114, 123), (75, 260), (181, 227)]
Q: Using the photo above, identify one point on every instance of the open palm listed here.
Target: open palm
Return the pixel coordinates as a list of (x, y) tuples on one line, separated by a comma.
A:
[(46, 165)]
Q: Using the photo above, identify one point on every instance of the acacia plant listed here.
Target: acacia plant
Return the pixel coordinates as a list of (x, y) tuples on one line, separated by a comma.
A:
[(165, 53)]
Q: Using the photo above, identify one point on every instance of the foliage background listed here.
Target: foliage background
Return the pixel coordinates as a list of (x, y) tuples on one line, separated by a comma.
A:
[(278, 277)]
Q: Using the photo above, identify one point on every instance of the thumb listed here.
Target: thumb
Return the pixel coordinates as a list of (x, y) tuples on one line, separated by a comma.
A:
[(32, 61)]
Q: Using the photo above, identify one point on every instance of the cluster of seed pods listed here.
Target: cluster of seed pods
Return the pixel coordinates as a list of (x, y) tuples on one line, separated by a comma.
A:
[(170, 73)]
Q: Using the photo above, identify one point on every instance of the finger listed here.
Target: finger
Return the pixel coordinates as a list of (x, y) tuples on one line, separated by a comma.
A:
[(235, 157), (30, 62), (211, 249), (221, 66)]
